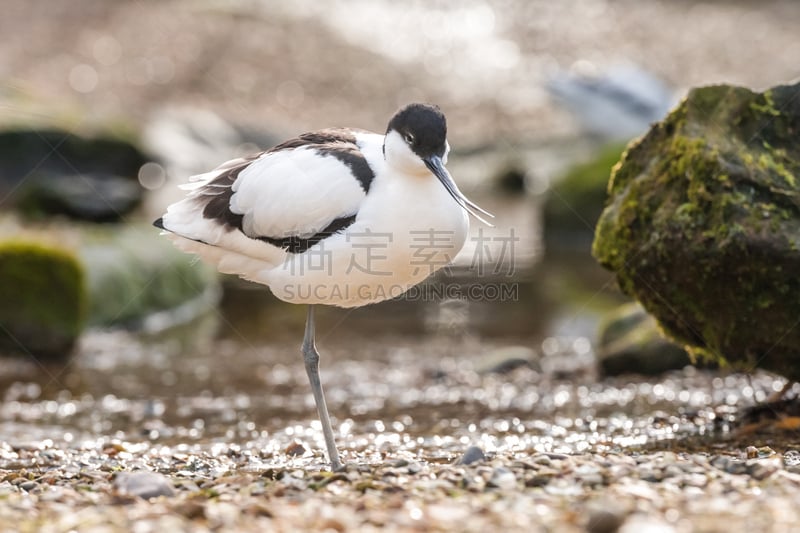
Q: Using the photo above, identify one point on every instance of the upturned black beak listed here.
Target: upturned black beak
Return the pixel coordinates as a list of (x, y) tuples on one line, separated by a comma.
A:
[(435, 165)]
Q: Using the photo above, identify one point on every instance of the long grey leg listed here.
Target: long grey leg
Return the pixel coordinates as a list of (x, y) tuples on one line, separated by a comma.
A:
[(311, 359)]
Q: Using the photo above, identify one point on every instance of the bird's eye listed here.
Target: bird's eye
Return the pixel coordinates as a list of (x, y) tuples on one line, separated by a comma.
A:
[(409, 137)]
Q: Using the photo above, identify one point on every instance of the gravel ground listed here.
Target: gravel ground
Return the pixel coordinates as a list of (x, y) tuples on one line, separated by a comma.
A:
[(141, 441), (237, 488)]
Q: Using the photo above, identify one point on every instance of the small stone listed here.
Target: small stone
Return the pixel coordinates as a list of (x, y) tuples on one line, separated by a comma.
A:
[(604, 521), (594, 479), (295, 449), (143, 484), (737, 467), (541, 478), (751, 452), (506, 359), (791, 461), (473, 454), (541, 459), (765, 451), (630, 341), (672, 470), (190, 509), (502, 478), (414, 467), (650, 474), (28, 485), (759, 470)]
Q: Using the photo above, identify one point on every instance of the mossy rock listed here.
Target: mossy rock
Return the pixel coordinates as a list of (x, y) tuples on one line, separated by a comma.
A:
[(43, 299), (49, 171), (134, 273), (702, 225), (575, 202), (630, 343)]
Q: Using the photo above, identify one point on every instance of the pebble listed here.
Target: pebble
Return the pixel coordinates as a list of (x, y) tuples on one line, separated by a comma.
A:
[(791, 461), (605, 492), (760, 470), (473, 454), (604, 521), (295, 449), (28, 485), (503, 479), (143, 484)]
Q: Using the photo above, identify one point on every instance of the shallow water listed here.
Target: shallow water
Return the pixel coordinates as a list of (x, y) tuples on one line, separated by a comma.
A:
[(424, 393), (412, 375)]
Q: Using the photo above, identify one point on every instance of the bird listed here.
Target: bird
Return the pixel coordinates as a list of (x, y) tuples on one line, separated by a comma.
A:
[(339, 216)]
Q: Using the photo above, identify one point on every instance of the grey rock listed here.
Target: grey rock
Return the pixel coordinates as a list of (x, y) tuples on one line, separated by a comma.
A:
[(619, 104), (759, 470), (88, 178), (28, 485), (604, 520), (97, 196), (506, 359), (137, 279), (575, 201), (143, 484), (502, 478), (630, 342), (473, 454)]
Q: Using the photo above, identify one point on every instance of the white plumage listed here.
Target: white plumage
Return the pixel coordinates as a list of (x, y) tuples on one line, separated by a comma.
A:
[(336, 217), (298, 192), (295, 192)]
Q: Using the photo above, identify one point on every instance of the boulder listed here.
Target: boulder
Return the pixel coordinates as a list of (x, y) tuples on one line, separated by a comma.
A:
[(43, 299), (630, 343), (619, 103), (133, 275), (702, 225), (111, 276), (575, 201), (49, 171)]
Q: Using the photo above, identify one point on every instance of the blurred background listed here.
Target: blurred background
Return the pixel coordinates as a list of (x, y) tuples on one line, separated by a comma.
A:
[(105, 107)]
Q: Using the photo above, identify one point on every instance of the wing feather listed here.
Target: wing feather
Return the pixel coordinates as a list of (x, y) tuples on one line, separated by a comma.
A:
[(290, 196)]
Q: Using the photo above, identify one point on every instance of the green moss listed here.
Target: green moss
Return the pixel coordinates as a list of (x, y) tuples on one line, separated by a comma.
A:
[(702, 222), (765, 105), (43, 299), (576, 200), (133, 272)]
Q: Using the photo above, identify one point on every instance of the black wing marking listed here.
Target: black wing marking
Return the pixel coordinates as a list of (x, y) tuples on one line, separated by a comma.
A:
[(215, 196), (339, 143), (298, 245)]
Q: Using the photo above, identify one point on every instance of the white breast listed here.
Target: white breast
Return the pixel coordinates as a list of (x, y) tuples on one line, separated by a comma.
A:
[(407, 228)]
